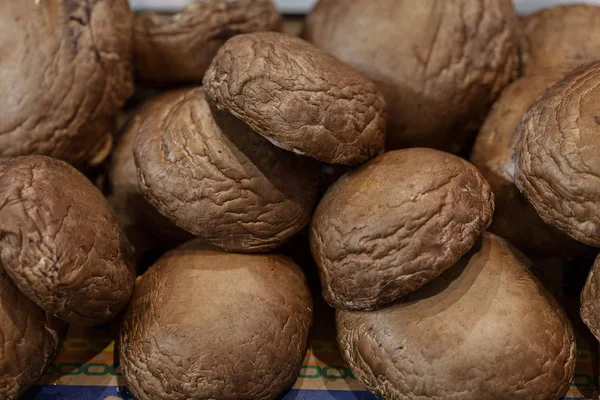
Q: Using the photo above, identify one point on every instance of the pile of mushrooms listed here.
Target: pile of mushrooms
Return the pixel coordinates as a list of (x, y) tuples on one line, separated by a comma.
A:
[(167, 211)]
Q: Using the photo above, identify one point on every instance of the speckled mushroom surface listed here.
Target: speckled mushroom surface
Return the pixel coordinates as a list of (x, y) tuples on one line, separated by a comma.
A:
[(66, 67), (299, 97), (172, 48), (28, 340), (61, 243), (205, 324), (559, 35), (494, 155), (211, 175), (558, 168), (590, 300), (396, 223), (486, 329), (440, 64)]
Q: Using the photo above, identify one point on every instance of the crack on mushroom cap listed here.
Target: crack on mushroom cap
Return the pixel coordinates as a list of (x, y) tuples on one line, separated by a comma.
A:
[(211, 175)]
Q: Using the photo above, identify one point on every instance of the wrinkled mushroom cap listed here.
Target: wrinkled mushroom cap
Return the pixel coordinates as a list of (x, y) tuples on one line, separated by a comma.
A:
[(219, 180), (486, 329), (440, 64), (66, 67), (560, 35), (205, 324), (396, 223), (299, 97), (557, 166), (590, 300), (28, 340), (60, 241), (171, 48), (494, 155)]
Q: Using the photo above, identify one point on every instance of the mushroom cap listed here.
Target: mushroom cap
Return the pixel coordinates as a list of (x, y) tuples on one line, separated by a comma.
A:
[(29, 339), (494, 155), (211, 175), (560, 35), (66, 68), (590, 300), (486, 329), (440, 64), (175, 48), (61, 242), (396, 223), (300, 98), (557, 167), (205, 324)]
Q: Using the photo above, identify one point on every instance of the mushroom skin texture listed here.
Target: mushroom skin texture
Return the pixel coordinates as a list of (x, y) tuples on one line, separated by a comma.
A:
[(60, 242), (494, 155), (178, 48), (205, 324), (440, 64), (66, 69), (485, 329), (29, 339), (557, 167), (126, 196), (212, 176), (299, 97), (590, 300), (394, 224), (560, 35)]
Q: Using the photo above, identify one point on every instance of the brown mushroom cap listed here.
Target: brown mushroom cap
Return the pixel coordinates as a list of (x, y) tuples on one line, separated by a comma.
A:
[(494, 155), (126, 196), (440, 64), (61, 243), (66, 66), (486, 329), (396, 223), (557, 167), (298, 97), (179, 47), (560, 35), (590, 300), (205, 324), (218, 179), (29, 339)]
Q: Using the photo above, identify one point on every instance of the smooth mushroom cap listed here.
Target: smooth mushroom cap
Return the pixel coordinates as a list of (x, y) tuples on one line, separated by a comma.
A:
[(175, 48), (205, 324), (211, 175), (486, 329), (299, 97), (558, 167), (60, 241), (126, 196), (66, 67), (590, 300), (29, 339), (394, 224), (440, 64), (560, 35), (494, 155)]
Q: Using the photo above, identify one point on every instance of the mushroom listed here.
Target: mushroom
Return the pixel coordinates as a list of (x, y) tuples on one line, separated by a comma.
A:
[(66, 69), (29, 339), (485, 329), (205, 324), (440, 64), (298, 97), (590, 300), (394, 224), (494, 155), (178, 48), (61, 243), (557, 167), (560, 35), (212, 176)]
